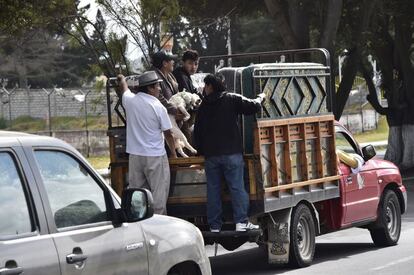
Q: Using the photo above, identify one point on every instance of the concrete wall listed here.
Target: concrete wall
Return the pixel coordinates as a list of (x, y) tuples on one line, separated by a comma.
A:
[(359, 122), (35, 103), (98, 141)]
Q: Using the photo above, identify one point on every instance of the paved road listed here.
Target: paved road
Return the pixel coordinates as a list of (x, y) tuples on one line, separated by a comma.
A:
[(345, 252)]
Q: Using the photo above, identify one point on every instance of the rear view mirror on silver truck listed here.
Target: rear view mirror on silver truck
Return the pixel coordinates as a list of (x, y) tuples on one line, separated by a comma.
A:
[(368, 152), (137, 204)]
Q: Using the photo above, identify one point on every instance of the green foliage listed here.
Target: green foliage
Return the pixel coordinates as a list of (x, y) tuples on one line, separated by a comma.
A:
[(380, 134), (3, 123), (166, 9), (19, 16), (27, 124), (30, 124), (99, 162)]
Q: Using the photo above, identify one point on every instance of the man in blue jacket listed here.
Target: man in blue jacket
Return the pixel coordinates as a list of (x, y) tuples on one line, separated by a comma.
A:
[(217, 137)]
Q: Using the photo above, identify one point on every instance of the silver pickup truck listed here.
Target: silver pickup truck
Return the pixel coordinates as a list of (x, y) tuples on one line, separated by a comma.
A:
[(57, 216)]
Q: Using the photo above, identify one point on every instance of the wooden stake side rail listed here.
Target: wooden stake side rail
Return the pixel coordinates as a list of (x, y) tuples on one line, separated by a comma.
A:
[(290, 151), (301, 184), (179, 200)]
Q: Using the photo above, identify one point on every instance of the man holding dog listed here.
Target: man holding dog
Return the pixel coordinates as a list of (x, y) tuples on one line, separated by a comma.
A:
[(147, 125), (183, 75), (163, 64), (217, 137)]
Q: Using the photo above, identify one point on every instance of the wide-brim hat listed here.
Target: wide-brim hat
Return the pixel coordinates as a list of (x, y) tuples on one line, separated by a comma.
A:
[(148, 78)]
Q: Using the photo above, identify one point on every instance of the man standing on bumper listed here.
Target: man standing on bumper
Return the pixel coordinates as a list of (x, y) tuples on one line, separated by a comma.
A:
[(217, 137), (147, 125)]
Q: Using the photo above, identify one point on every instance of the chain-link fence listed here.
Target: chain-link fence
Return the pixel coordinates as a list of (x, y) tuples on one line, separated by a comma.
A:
[(51, 108)]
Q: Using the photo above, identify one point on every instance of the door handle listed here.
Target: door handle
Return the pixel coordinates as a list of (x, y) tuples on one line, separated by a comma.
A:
[(11, 271), (75, 258)]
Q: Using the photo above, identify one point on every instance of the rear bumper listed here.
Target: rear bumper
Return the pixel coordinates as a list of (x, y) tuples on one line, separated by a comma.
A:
[(404, 193)]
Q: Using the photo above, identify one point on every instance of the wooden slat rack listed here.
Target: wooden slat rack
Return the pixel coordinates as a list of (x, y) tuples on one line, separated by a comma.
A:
[(297, 152)]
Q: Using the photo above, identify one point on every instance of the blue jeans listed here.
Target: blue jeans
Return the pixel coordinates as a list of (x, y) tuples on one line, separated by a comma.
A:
[(232, 168)]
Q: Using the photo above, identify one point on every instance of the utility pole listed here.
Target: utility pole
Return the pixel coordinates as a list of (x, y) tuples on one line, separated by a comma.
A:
[(229, 50), (49, 109)]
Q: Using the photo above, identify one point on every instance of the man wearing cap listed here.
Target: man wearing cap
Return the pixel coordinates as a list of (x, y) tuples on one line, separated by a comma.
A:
[(147, 125), (163, 64)]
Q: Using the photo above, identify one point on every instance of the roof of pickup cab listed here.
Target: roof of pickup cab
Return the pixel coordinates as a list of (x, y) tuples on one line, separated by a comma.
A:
[(10, 138)]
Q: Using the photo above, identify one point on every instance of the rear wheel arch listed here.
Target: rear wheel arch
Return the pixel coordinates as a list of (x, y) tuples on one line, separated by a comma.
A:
[(315, 214)]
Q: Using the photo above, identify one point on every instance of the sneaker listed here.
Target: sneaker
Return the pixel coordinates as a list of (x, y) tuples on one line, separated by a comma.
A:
[(242, 227), (213, 230)]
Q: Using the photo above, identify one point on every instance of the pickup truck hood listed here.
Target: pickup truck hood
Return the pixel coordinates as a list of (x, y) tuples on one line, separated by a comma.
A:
[(378, 163), (171, 241)]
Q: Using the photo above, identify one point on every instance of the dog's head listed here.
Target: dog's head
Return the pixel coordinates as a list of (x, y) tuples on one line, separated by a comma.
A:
[(195, 101), (192, 101)]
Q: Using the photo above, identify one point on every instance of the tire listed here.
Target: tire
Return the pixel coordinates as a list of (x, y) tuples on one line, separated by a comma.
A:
[(388, 226), (302, 237), (186, 268)]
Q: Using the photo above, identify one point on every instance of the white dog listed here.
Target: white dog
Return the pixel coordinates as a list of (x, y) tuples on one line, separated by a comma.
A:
[(183, 101)]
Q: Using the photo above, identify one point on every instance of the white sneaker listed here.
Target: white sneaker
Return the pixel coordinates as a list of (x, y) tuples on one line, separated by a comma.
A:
[(241, 227), (214, 230)]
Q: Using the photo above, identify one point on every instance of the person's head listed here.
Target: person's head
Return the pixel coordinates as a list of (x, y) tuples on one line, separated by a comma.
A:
[(190, 61), (214, 83), (149, 83), (163, 61)]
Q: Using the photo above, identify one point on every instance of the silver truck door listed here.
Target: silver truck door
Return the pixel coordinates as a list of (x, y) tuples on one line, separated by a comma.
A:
[(85, 237), (25, 246)]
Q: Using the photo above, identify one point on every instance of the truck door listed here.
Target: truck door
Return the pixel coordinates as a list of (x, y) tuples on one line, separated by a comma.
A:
[(86, 239), (360, 189), (25, 246)]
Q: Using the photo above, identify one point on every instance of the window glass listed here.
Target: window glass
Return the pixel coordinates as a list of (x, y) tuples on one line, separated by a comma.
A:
[(74, 196), (343, 144), (14, 212)]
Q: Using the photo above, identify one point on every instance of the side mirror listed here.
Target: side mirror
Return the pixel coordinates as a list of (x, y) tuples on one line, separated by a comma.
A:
[(137, 204), (368, 152)]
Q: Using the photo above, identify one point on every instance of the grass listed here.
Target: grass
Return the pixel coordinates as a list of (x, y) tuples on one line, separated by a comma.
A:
[(99, 162), (381, 133), (30, 124)]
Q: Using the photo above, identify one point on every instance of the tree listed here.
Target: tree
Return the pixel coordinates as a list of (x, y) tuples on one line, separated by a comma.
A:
[(384, 27), (38, 58), (19, 16), (392, 43), (31, 48), (141, 21), (108, 49)]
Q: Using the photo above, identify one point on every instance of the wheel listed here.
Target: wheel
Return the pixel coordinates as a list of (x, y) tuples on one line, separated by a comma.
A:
[(186, 268), (302, 237), (388, 226)]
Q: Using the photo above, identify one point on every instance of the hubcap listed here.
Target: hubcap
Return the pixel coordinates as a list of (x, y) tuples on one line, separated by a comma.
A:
[(304, 238), (391, 219)]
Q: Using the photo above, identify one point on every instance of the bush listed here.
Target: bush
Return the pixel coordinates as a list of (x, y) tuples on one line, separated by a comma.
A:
[(3, 123)]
